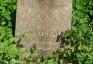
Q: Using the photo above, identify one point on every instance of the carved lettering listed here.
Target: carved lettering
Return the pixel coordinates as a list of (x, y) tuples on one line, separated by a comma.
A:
[(45, 33)]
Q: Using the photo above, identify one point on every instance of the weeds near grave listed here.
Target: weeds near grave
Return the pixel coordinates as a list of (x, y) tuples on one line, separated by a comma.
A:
[(8, 50), (80, 37)]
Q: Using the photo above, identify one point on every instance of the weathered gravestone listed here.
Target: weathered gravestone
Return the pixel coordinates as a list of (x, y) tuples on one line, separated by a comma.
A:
[(41, 21)]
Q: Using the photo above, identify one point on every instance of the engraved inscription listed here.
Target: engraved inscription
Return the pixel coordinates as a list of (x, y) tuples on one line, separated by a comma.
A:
[(45, 33)]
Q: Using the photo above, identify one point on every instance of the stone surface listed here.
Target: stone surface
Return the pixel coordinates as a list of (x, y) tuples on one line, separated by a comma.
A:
[(41, 21)]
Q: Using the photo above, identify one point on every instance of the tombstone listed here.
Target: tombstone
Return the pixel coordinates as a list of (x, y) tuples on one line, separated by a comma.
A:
[(41, 21)]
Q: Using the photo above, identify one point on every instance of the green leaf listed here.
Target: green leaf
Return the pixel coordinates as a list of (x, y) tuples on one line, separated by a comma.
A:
[(3, 23)]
